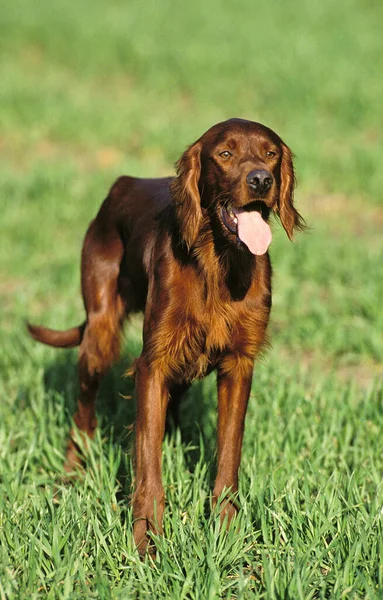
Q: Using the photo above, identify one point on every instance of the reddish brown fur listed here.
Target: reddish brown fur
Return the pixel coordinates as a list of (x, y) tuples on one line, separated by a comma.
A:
[(160, 246)]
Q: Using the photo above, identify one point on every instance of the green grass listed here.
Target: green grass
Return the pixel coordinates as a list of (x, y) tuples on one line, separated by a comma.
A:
[(99, 89)]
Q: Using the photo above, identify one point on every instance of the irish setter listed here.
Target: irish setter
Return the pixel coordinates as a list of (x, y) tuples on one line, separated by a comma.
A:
[(191, 253)]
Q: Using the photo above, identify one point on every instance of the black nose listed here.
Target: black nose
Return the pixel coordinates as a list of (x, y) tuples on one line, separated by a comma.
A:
[(260, 181)]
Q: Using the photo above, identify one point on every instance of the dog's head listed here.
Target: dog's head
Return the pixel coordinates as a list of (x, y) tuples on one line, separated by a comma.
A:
[(237, 172)]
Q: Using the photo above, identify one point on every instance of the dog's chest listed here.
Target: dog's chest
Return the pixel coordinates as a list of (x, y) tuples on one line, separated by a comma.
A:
[(191, 337)]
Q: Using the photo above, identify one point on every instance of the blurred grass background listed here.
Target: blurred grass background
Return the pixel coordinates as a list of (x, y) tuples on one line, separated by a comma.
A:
[(94, 90)]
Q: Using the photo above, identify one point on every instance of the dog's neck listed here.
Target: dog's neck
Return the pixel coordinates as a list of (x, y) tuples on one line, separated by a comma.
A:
[(231, 267), (240, 267)]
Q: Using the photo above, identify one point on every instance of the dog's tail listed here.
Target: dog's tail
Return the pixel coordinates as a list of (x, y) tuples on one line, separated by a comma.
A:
[(60, 339)]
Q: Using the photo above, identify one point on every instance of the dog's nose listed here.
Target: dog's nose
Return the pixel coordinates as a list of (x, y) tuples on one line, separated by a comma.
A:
[(260, 180)]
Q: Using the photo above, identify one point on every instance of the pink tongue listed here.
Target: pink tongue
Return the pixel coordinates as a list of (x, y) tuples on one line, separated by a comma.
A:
[(253, 231)]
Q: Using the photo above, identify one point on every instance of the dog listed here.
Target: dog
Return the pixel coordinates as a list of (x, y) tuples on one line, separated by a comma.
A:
[(191, 253)]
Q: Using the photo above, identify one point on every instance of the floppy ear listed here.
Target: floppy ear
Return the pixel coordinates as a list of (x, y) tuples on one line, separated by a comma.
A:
[(289, 216), (186, 197)]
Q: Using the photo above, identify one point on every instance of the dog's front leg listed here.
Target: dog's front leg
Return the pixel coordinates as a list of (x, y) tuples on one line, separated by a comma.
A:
[(234, 383), (148, 499)]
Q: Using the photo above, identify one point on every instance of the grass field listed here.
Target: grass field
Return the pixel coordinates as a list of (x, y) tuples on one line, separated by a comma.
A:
[(99, 89)]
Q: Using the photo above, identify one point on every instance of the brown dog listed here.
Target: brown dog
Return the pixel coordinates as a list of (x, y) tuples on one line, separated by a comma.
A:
[(191, 253)]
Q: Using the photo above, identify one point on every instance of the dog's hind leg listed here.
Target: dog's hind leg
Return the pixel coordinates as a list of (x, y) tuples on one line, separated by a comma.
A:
[(173, 413), (100, 345)]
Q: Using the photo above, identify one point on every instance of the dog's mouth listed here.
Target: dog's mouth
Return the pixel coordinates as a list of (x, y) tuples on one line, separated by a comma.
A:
[(229, 219), (248, 224)]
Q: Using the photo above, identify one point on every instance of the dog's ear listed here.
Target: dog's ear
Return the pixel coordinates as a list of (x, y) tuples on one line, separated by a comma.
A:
[(289, 216), (185, 193)]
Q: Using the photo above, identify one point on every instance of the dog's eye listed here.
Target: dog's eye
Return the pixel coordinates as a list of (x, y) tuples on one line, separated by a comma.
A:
[(225, 154), (270, 154)]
